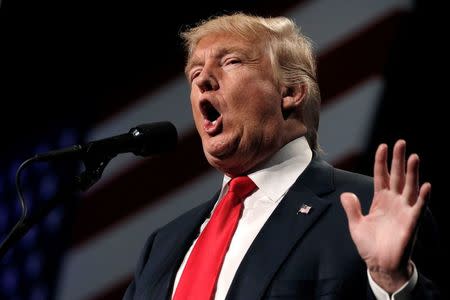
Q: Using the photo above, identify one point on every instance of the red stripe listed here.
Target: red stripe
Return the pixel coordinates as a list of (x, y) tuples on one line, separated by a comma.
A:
[(356, 59), (350, 162), (359, 57)]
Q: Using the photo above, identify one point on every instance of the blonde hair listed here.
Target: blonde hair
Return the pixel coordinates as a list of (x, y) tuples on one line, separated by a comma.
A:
[(290, 51)]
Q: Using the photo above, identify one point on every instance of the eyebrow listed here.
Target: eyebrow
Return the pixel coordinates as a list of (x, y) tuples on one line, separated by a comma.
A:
[(219, 53)]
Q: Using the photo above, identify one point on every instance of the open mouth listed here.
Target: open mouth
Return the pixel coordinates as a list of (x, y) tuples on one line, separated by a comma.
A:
[(209, 112), (212, 118)]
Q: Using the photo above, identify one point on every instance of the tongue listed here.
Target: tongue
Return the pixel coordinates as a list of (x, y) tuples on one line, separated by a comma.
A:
[(213, 127)]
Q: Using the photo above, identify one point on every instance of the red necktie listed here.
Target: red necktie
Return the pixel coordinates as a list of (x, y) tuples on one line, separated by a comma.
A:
[(199, 278)]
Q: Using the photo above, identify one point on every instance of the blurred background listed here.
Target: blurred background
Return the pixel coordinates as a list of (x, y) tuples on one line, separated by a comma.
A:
[(77, 71)]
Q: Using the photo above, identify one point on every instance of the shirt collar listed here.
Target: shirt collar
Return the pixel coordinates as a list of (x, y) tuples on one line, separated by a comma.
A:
[(286, 166)]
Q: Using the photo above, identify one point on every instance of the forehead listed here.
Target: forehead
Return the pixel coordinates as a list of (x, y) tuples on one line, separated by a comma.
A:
[(217, 45), (223, 39)]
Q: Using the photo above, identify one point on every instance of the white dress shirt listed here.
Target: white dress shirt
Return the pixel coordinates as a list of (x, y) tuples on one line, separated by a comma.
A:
[(286, 165)]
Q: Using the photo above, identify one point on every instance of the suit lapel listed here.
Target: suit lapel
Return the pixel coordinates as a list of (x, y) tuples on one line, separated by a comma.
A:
[(268, 251), (159, 283)]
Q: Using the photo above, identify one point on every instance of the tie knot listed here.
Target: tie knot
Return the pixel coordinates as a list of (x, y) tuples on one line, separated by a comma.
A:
[(242, 186)]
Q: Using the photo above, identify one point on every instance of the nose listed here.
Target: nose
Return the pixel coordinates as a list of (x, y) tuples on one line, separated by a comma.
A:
[(206, 82)]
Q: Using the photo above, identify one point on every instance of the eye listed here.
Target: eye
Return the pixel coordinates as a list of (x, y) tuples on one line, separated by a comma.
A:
[(232, 61), (194, 74)]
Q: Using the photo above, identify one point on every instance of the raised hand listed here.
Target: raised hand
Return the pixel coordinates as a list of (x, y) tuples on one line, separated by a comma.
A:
[(382, 236)]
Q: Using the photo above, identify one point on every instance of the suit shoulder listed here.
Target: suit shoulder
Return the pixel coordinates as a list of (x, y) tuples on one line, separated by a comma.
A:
[(347, 177), (320, 169), (359, 184)]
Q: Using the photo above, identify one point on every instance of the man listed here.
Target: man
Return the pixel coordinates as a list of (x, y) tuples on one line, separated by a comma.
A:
[(302, 230)]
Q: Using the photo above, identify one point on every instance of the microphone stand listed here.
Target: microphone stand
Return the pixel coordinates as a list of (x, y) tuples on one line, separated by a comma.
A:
[(94, 167)]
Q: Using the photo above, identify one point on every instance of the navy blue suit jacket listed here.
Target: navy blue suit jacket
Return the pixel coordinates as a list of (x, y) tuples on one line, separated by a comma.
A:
[(294, 256)]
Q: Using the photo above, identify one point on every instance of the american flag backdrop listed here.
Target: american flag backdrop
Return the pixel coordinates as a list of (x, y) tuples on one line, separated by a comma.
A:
[(85, 71), (30, 268)]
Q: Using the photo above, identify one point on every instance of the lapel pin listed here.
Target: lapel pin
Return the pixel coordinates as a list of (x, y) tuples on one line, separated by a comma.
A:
[(304, 209)]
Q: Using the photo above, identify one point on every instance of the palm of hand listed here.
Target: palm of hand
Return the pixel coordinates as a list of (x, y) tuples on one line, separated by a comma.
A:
[(382, 236)]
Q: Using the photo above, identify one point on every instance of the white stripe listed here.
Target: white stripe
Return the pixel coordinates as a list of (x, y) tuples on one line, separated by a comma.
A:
[(328, 21), (111, 257), (170, 102), (346, 123)]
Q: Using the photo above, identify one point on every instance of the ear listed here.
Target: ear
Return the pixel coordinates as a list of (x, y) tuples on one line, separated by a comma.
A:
[(292, 98)]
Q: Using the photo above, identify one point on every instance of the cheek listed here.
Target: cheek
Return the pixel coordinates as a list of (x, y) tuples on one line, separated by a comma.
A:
[(266, 105), (194, 105), (192, 98), (198, 117)]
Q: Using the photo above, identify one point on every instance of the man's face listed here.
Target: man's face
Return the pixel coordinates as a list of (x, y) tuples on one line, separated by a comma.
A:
[(235, 101)]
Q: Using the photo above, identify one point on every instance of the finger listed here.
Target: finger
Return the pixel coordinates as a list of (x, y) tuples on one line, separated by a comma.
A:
[(424, 194), (398, 167), (412, 179), (380, 169), (352, 208)]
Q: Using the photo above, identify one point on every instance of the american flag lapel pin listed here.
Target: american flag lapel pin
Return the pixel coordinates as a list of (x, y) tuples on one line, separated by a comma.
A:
[(304, 209)]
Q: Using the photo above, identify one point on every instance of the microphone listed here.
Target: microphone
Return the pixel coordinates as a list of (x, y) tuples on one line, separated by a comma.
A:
[(142, 140)]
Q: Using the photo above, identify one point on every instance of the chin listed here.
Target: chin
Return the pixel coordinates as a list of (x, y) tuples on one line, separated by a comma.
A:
[(223, 154), (219, 149), (218, 163), (230, 166)]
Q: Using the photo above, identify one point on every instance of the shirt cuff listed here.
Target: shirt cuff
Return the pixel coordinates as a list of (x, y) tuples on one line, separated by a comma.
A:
[(403, 293)]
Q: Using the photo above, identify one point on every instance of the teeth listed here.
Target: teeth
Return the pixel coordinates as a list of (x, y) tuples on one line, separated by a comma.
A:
[(214, 122)]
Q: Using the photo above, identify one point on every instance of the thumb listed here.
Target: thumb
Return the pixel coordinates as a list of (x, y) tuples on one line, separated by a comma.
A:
[(352, 207)]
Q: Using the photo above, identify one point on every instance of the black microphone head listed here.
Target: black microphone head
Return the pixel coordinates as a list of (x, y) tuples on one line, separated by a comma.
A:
[(154, 138)]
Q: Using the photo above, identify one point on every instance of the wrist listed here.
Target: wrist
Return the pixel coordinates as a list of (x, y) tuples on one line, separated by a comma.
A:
[(391, 280)]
